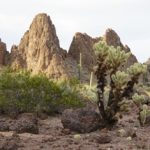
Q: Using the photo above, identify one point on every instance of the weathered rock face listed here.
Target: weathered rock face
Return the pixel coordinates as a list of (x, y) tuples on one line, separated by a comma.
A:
[(83, 43), (3, 54), (112, 39), (39, 49)]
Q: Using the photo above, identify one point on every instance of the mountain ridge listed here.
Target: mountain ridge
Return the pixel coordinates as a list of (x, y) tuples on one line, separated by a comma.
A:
[(39, 51)]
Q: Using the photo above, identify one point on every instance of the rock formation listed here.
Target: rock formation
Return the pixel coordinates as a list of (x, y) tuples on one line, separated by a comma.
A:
[(3, 54), (39, 49), (83, 43)]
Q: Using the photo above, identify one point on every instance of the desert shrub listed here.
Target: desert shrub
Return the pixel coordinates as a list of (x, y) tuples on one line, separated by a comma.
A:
[(120, 83), (22, 92)]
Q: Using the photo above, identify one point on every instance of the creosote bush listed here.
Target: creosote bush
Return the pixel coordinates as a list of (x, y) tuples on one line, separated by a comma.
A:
[(22, 92), (120, 83)]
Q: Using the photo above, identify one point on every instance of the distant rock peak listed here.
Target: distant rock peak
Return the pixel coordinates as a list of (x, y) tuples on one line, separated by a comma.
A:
[(39, 50)]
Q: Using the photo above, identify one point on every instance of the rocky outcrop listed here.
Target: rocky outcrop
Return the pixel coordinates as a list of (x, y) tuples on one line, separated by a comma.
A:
[(3, 54), (112, 39), (83, 43), (39, 49)]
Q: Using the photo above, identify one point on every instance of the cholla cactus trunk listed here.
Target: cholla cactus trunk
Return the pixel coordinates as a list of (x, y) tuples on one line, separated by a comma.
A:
[(101, 82), (112, 87), (107, 114)]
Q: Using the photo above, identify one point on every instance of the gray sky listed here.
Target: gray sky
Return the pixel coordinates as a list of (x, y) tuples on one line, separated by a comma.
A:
[(129, 18)]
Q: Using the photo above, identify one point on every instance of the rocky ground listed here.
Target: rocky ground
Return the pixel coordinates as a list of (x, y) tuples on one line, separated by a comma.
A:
[(28, 132)]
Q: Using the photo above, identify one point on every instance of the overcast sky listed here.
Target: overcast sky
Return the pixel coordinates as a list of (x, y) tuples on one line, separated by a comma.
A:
[(129, 18)]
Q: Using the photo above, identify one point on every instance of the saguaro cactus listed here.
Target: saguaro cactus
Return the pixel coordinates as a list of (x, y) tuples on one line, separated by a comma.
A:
[(91, 79), (80, 67)]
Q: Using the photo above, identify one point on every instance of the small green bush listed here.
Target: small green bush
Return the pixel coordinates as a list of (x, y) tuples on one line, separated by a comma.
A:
[(22, 92)]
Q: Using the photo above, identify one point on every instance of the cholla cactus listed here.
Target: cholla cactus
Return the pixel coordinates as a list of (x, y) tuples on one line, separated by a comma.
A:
[(138, 99), (116, 57), (137, 69), (134, 71), (101, 49), (120, 79), (144, 113), (109, 60)]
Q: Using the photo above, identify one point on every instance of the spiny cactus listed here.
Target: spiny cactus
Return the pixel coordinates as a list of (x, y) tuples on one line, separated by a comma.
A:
[(138, 99), (137, 69), (134, 71), (116, 57), (101, 50), (120, 79), (109, 60), (144, 113)]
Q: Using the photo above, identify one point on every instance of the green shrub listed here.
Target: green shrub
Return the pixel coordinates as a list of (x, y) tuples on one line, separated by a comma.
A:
[(22, 92)]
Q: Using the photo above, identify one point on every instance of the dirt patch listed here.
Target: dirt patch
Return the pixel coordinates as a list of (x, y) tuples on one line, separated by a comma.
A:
[(53, 136)]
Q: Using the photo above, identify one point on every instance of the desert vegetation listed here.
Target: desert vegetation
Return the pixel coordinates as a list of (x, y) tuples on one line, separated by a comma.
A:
[(120, 83), (22, 92)]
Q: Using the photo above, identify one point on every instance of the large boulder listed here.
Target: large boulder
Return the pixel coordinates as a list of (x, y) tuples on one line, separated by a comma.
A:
[(81, 120)]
